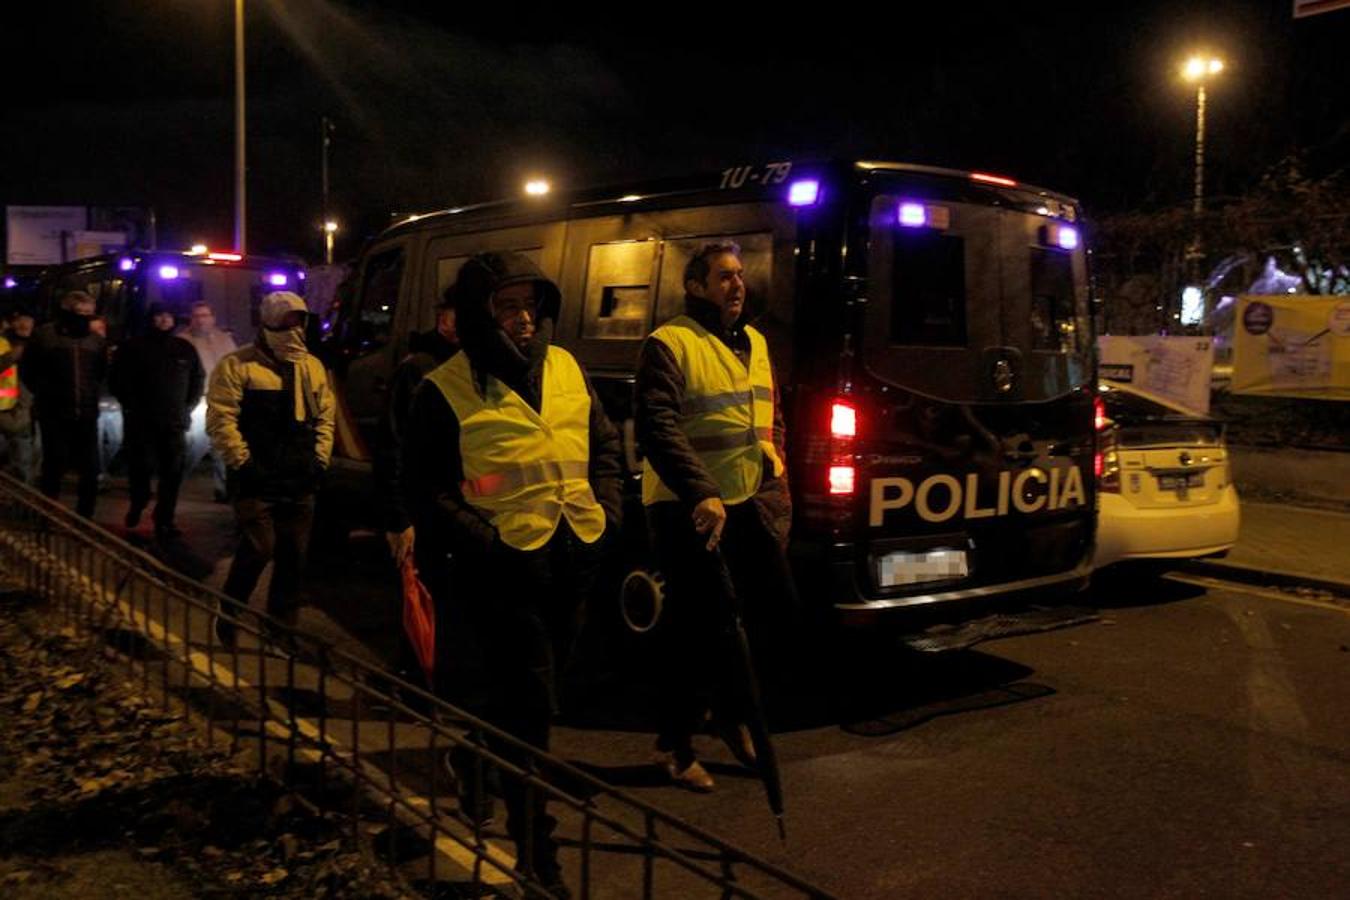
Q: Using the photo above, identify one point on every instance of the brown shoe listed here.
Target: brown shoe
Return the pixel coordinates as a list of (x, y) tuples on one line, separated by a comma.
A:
[(738, 741), (692, 777)]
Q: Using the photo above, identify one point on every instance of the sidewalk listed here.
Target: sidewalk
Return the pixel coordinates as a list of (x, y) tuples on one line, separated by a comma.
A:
[(1292, 545)]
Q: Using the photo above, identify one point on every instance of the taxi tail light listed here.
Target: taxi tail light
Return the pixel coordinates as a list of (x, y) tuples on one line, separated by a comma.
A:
[(843, 432), (1106, 465)]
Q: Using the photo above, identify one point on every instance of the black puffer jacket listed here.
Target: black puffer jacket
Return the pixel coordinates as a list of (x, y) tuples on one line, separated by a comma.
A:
[(158, 378), (64, 365), (432, 466)]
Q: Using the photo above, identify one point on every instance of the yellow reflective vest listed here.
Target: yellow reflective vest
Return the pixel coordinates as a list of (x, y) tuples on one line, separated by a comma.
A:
[(9, 382), (727, 412), (525, 469)]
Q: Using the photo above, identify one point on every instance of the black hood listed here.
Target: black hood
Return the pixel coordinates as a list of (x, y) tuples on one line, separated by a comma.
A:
[(483, 341)]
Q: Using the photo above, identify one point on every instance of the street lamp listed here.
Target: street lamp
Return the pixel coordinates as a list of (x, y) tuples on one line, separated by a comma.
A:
[(239, 126), (1199, 70), (329, 229), (537, 187)]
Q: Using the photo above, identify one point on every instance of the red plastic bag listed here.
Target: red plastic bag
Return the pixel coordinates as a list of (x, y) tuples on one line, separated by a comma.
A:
[(419, 619)]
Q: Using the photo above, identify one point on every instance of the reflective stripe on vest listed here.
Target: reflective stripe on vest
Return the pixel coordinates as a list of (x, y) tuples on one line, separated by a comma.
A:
[(726, 413), (525, 469), (9, 382)]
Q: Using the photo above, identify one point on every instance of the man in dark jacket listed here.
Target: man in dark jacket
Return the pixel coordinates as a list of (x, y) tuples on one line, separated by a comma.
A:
[(512, 466), (270, 414), (64, 365), (710, 424), (426, 351), (158, 378)]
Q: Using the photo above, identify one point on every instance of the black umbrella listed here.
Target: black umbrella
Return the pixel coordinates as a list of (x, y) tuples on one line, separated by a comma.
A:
[(744, 679)]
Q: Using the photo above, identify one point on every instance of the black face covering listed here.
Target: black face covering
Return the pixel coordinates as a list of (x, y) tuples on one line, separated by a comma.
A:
[(75, 323)]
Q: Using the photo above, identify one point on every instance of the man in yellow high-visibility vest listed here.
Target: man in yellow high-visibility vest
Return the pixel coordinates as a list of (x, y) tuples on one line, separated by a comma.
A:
[(511, 467), (16, 421), (711, 429)]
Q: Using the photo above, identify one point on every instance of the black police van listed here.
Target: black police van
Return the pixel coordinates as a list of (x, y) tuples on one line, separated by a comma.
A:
[(930, 330)]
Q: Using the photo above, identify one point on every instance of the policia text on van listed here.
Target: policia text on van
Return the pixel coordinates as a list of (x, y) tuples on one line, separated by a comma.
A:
[(931, 330)]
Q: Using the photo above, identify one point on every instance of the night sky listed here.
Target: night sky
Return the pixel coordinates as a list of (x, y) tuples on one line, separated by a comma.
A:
[(131, 103)]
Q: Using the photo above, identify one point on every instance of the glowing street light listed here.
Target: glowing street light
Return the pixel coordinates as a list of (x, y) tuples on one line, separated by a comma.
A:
[(198, 249), (537, 187), (1199, 69), (330, 230)]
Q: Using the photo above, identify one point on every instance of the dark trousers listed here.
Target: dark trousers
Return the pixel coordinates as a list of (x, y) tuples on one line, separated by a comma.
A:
[(698, 663), (526, 608), (67, 444), (275, 531), (155, 449)]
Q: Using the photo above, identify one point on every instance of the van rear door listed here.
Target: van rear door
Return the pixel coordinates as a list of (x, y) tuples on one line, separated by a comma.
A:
[(974, 445)]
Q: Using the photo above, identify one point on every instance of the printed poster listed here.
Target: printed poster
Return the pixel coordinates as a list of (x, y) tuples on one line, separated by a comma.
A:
[(1289, 345), (1175, 368)]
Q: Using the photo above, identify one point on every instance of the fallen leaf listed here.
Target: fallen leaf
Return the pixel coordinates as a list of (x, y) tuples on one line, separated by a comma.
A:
[(91, 786), (32, 702), (274, 876), (234, 876)]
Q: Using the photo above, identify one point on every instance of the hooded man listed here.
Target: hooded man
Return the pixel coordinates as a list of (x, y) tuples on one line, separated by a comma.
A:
[(64, 365), (158, 379), (512, 466), (269, 413)]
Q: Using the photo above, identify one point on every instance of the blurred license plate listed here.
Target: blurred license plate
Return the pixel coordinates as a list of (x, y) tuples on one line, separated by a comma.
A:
[(1176, 482), (900, 568)]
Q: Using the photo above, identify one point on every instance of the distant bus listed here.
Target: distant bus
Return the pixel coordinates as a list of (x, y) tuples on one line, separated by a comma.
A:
[(930, 328), (125, 284)]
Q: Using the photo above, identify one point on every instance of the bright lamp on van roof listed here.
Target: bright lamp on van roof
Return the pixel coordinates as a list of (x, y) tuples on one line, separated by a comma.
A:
[(126, 264), (1067, 237), (804, 193), (277, 279), (168, 273), (913, 215)]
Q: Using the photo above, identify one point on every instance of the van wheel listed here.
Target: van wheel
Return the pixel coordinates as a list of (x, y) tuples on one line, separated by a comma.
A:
[(642, 599)]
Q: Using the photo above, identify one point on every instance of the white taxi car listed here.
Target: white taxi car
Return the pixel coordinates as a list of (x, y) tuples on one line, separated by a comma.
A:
[(1163, 480)]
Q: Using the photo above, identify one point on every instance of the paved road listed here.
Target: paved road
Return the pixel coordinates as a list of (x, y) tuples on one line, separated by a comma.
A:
[(1192, 742)]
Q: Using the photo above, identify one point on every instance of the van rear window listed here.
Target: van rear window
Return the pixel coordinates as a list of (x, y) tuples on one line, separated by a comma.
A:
[(928, 302), (1052, 301)]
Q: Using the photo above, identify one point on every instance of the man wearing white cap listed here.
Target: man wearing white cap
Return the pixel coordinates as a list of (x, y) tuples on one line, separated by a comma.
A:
[(269, 413)]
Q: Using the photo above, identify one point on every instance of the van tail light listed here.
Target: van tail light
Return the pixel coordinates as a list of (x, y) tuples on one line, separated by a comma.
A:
[(843, 420), (1099, 419), (843, 432)]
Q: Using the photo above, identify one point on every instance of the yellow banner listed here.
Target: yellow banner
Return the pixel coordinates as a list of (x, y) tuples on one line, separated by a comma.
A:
[(1292, 346)]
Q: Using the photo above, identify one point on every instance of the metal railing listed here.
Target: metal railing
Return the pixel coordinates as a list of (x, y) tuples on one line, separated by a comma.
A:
[(342, 729)]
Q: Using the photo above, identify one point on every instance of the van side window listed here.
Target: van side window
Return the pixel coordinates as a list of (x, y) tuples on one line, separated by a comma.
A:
[(379, 298), (756, 258), (1052, 296), (928, 293), (619, 291)]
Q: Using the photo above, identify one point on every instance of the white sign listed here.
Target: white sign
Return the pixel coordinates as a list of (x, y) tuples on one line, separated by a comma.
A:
[(34, 234), (84, 244), (1176, 368)]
